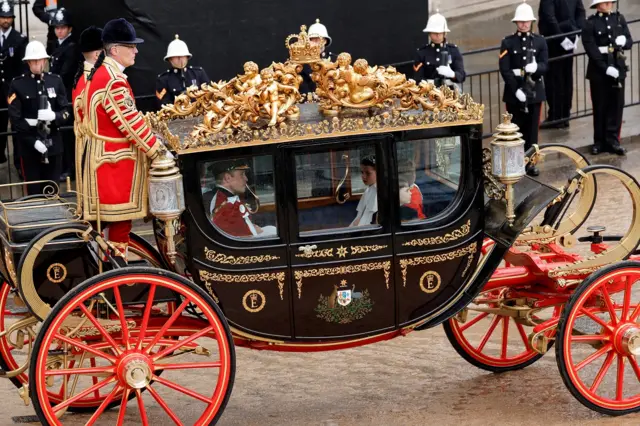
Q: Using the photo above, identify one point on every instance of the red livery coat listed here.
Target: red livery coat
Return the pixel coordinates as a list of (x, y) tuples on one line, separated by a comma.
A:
[(115, 147), (230, 215)]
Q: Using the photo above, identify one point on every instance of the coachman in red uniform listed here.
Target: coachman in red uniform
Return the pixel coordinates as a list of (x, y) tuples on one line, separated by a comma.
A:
[(116, 144)]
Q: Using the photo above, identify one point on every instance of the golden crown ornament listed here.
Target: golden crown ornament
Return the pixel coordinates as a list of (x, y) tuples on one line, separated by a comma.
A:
[(303, 50)]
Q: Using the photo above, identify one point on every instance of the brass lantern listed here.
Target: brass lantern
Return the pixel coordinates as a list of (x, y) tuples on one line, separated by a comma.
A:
[(507, 160), (166, 197)]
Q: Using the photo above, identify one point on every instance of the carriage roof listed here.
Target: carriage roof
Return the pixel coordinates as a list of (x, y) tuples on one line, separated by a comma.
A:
[(350, 100)]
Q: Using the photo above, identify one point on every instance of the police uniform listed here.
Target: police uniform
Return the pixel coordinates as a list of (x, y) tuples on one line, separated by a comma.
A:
[(11, 65), (44, 10), (429, 57), (23, 100), (174, 82), (513, 59), (558, 17), (607, 93)]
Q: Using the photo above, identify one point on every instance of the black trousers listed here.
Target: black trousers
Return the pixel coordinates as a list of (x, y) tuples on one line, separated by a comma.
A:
[(559, 87), (528, 122), (34, 169), (608, 104), (69, 154)]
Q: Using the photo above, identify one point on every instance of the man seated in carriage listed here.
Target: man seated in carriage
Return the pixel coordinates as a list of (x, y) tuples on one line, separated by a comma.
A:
[(227, 210)]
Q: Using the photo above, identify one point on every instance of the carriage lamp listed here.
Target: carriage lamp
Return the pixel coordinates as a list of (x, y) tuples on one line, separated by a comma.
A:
[(166, 198), (507, 160)]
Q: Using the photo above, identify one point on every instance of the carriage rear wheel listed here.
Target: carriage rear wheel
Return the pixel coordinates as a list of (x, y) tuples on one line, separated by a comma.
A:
[(599, 340), (492, 342), (14, 355), (132, 344)]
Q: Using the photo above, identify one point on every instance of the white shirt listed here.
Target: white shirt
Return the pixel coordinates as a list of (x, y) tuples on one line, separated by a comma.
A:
[(5, 34), (61, 40), (367, 207)]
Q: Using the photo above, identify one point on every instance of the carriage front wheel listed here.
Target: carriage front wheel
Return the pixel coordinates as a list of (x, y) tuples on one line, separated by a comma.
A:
[(598, 340), (134, 323)]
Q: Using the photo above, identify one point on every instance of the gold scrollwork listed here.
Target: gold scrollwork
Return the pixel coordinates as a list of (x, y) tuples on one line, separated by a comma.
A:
[(366, 249), (441, 239), (209, 277), (436, 258), (8, 260), (469, 262), (215, 257), (341, 270), (317, 254)]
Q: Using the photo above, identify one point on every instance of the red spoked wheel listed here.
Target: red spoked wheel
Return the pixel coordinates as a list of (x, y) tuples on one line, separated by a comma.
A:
[(599, 340), (13, 354), (134, 344), (490, 341)]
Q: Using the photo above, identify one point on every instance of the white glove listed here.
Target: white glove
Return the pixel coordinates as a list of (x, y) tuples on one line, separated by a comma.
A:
[(613, 72), (40, 147), (46, 114), (446, 71), (531, 68), (577, 43), (621, 40), (521, 96), (33, 122), (567, 44)]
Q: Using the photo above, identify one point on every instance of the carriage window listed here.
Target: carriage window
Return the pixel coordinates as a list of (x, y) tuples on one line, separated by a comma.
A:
[(429, 173), (336, 189), (239, 196)]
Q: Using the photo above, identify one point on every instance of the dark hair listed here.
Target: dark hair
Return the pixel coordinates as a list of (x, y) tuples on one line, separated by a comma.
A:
[(76, 78), (97, 65), (369, 160)]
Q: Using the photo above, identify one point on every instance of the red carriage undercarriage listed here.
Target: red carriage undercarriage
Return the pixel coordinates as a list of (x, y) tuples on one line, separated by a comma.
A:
[(475, 245)]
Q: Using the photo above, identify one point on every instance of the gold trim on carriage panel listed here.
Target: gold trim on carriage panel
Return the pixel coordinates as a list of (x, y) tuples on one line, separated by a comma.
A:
[(340, 270), (215, 257), (209, 277), (441, 239), (435, 258)]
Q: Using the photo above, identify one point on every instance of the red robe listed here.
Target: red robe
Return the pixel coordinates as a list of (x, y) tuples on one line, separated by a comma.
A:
[(117, 145), (230, 215), (416, 201)]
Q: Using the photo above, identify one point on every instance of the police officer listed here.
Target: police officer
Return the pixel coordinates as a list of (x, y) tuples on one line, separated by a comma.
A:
[(439, 61), (37, 128), (558, 17), (317, 32), (523, 63), (605, 37), (12, 45), (64, 62), (44, 10), (175, 80)]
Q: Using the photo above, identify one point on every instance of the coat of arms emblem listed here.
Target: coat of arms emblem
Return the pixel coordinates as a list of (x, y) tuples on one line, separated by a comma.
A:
[(59, 16), (344, 297), (344, 304)]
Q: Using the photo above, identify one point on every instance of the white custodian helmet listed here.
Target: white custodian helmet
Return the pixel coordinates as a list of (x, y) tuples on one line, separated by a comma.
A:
[(437, 23), (34, 51), (524, 13), (319, 30), (594, 3), (177, 48)]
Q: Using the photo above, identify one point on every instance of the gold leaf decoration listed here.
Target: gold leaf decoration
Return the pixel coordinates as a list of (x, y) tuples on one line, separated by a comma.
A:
[(215, 257), (209, 277), (341, 270), (436, 258), (441, 239)]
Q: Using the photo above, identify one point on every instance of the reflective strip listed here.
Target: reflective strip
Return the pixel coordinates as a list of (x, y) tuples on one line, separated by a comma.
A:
[(517, 73), (604, 49)]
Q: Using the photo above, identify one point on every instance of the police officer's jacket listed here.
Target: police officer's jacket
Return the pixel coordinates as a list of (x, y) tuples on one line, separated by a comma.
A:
[(11, 54), (24, 93), (598, 37), (427, 60), (513, 59), (174, 82), (559, 17), (64, 62)]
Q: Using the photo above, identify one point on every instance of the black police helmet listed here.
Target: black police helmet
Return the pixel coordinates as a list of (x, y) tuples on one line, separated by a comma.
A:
[(6, 9), (120, 31), (91, 39), (61, 18)]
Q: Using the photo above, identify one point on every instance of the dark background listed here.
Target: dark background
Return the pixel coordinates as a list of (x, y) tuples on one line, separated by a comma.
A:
[(223, 34)]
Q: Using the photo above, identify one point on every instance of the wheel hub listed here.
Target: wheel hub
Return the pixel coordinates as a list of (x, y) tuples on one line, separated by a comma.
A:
[(631, 341), (135, 371)]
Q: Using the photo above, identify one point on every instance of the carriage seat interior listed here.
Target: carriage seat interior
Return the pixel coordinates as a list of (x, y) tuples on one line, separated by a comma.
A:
[(25, 218)]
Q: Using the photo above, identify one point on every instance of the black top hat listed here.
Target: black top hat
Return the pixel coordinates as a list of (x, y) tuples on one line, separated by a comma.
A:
[(120, 31), (91, 39), (61, 18), (6, 9)]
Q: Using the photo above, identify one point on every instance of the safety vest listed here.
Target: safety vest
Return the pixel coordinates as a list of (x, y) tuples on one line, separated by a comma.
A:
[(50, 5)]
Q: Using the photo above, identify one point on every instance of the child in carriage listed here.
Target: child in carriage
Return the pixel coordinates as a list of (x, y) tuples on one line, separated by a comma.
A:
[(367, 210)]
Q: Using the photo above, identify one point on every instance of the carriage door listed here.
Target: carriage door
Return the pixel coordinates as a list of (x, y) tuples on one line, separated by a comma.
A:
[(340, 246)]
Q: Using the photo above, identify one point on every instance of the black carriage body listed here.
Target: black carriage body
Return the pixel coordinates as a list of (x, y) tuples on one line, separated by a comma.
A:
[(396, 273)]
